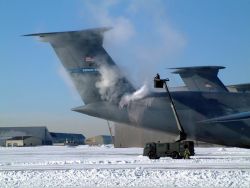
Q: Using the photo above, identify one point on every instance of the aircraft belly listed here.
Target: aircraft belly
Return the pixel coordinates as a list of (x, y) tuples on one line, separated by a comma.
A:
[(227, 133), (143, 115), (162, 119)]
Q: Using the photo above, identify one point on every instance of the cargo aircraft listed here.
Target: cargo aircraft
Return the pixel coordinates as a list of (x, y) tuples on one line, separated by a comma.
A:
[(206, 110)]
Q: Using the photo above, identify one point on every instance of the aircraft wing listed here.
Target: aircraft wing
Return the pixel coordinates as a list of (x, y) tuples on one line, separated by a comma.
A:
[(232, 117), (201, 78)]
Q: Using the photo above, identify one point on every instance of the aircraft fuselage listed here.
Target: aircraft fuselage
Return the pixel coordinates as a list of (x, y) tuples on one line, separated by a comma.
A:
[(194, 108)]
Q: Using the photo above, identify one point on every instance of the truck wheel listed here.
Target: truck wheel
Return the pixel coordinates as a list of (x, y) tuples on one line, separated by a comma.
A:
[(175, 155), (152, 155)]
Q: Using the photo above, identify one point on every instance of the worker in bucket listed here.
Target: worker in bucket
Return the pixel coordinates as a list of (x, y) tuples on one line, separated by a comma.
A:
[(157, 76)]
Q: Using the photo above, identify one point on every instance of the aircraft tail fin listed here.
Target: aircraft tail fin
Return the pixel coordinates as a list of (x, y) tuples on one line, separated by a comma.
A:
[(94, 73), (201, 78)]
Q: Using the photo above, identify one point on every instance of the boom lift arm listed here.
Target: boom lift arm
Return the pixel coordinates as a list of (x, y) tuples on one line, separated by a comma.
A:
[(159, 84)]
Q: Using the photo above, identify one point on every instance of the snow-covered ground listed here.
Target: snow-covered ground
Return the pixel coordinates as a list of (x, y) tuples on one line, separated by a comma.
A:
[(105, 166)]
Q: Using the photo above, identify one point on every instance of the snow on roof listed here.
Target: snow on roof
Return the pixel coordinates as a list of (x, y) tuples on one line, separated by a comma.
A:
[(20, 137)]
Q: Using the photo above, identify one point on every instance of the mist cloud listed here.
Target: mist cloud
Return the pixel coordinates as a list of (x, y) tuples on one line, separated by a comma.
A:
[(143, 39), (107, 84)]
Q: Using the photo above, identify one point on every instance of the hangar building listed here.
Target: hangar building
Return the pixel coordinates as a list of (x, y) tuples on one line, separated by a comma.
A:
[(61, 138), (23, 141), (99, 140), (41, 133), (128, 136)]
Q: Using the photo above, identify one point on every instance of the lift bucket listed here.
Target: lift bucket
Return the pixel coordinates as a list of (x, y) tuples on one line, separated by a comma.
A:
[(158, 83)]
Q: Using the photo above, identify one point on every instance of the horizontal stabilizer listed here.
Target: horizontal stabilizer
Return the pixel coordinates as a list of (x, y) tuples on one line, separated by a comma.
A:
[(228, 118), (201, 78), (104, 110), (245, 88), (97, 31)]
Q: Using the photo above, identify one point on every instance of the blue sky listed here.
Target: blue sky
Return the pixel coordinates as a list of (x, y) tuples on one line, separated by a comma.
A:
[(148, 37)]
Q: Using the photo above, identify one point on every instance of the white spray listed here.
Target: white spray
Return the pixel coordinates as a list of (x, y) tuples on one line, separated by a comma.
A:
[(110, 90), (106, 85), (139, 94)]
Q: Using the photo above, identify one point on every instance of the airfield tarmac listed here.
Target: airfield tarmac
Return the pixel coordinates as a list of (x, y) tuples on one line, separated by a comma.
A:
[(105, 166)]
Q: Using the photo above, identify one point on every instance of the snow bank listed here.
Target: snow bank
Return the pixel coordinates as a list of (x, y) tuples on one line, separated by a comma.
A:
[(84, 166), (137, 177)]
